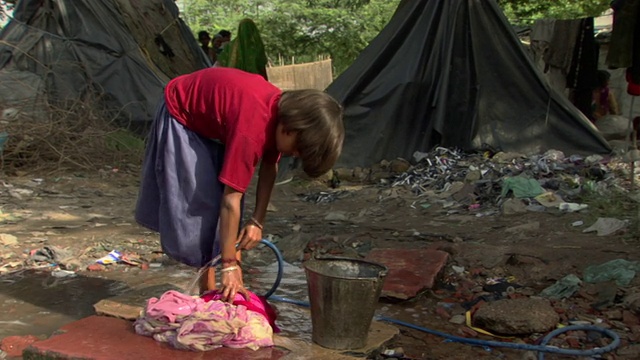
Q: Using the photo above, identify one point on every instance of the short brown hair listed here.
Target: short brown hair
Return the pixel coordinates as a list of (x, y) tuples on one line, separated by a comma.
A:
[(317, 119)]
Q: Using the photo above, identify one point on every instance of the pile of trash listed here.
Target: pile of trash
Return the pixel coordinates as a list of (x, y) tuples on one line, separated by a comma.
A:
[(484, 181)]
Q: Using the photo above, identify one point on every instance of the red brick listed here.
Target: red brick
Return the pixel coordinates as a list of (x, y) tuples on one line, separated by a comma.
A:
[(106, 338), (410, 270), (467, 332), (443, 313), (14, 345), (96, 267)]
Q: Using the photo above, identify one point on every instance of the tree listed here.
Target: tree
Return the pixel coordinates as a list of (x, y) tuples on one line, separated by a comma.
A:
[(303, 29), (6, 6), (526, 11)]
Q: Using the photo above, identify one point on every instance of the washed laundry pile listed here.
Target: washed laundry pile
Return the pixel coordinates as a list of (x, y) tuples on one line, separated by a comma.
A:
[(206, 323)]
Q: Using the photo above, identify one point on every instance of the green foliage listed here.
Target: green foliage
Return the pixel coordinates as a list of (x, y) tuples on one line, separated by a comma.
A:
[(306, 29), (6, 6), (526, 11), (300, 29)]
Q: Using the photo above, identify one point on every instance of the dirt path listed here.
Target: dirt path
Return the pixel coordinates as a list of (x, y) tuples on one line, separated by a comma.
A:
[(89, 215)]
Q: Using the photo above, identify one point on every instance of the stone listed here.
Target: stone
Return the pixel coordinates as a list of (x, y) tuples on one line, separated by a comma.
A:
[(8, 239), (344, 173), (629, 352), (613, 314), (129, 306), (13, 346), (292, 247), (519, 316), (337, 216), (632, 301), (410, 270), (458, 319), (399, 166), (513, 207), (104, 338)]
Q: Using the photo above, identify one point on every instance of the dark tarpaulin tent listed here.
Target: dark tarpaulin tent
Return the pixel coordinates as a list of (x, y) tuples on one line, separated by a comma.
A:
[(121, 52), (453, 73)]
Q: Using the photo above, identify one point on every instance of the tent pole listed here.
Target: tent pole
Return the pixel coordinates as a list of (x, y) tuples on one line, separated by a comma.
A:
[(633, 134), (630, 127)]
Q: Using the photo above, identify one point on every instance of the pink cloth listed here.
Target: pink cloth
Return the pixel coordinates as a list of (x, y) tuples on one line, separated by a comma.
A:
[(256, 303), (191, 323)]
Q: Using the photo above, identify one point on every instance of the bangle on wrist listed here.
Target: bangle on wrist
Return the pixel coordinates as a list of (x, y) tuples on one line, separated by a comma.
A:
[(256, 223), (229, 269)]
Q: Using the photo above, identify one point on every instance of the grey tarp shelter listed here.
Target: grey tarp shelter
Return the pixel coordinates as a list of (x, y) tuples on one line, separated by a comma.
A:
[(120, 52), (453, 73)]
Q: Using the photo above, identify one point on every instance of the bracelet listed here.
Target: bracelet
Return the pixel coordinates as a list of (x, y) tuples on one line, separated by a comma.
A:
[(256, 223), (229, 269)]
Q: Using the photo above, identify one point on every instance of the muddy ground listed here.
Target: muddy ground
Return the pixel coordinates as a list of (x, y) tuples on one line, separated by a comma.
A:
[(90, 214)]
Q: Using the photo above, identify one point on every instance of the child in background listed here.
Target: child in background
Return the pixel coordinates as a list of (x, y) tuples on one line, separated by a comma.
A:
[(603, 101), (212, 129)]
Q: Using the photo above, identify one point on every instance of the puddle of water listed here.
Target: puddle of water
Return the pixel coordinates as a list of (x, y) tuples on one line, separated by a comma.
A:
[(35, 302), (293, 320)]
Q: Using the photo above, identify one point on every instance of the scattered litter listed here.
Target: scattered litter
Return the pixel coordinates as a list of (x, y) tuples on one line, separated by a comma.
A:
[(563, 288), (606, 226), (50, 254), (572, 207), (621, 271), (325, 196), (577, 223), (549, 199), (458, 269), (59, 273), (112, 258), (521, 187), (132, 260)]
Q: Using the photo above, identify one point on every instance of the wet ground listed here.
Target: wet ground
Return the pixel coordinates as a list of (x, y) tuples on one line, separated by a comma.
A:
[(90, 215)]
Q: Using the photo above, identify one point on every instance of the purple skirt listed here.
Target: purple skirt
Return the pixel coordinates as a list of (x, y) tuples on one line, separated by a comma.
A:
[(180, 192)]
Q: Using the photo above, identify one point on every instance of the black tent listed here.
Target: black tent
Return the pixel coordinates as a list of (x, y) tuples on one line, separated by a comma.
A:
[(120, 52), (453, 73)]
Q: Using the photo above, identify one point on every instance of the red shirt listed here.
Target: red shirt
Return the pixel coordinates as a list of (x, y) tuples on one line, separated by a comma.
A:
[(235, 107)]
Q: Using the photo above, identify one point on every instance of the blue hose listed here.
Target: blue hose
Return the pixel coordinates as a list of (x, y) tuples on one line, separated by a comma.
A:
[(275, 250), (541, 349)]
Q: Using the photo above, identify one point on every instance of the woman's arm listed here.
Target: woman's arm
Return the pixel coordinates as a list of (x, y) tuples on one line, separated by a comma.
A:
[(252, 232), (229, 221)]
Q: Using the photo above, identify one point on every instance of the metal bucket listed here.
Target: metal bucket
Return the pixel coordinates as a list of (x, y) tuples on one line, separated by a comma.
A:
[(343, 294)]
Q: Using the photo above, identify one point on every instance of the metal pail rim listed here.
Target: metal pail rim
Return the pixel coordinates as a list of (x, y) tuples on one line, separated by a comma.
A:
[(381, 274)]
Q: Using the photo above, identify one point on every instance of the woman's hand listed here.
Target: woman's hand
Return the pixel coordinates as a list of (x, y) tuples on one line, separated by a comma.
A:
[(232, 284), (249, 237)]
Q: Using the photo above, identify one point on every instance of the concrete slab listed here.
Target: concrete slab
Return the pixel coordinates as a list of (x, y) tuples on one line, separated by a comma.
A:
[(410, 270), (379, 335), (107, 338), (129, 306)]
